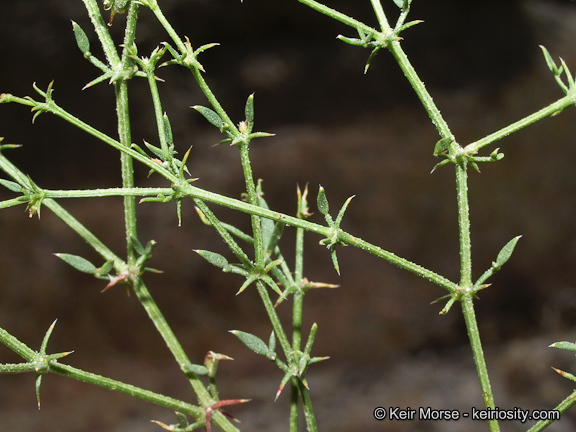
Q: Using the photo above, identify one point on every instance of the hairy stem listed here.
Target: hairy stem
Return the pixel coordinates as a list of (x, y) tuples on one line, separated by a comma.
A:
[(479, 360)]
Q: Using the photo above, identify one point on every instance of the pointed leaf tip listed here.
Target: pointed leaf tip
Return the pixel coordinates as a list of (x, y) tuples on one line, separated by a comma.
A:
[(213, 258), (322, 201), (78, 263), (252, 342), (81, 38), (506, 252)]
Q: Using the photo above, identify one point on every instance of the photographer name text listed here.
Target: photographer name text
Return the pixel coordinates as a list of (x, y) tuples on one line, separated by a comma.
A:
[(428, 413)]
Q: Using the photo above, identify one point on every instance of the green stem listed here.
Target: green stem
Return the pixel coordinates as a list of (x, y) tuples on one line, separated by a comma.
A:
[(274, 318), (478, 354), (309, 416), (108, 192), (86, 234), (118, 386), (564, 406), (338, 16), (381, 16), (464, 226), (259, 249), (551, 109), (420, 89), (297, 315), (102, 31)]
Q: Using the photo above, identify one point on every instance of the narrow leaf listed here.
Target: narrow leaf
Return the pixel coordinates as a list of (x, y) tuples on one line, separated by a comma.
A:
[(322, 202), (569, 346), (213, 258), (506, 252), (167, 130), (249, 109), (13, 186), (138, 247), (81, 38), (272, 342), (78, 263), (549, 61), (252, 342), (210, 115)]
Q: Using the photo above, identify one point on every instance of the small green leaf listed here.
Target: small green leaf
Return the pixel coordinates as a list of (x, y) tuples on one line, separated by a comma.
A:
[(13, 186), (196, 369), (565, 374), (81, 38), (210, 115), (506, 252), (105, 269), (275, 236), (252, 342), (403, 4), (322, 202), (156, 150), (167, 130), (137, 246), (78, 263), (342, 211), (213, 258), (335, 260), (272, 342), (549, 61), (249, 110), (442, 146), (569, 346)]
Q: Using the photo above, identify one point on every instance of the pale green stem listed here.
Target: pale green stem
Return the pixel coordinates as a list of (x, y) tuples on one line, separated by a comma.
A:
[(274, 318), (479, 360), (464, 226), (297, 315), (309, 416), (381, 16), (259, 249), (118, 386), (564, 406), (338, 16), (420, 89), (108, 192), (551, 109), (102, 32)]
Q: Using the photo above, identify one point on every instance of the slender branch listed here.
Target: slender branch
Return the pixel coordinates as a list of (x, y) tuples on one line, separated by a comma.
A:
[(118, 386), (564, 406), (338, 16), (550, 110), (478, 353)]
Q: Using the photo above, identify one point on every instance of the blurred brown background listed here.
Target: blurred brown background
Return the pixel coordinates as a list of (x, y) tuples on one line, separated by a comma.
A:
[(354, 134)]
